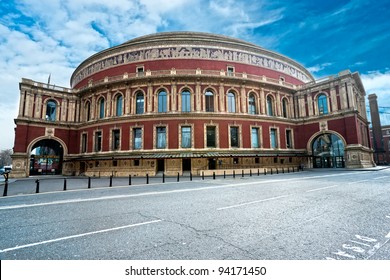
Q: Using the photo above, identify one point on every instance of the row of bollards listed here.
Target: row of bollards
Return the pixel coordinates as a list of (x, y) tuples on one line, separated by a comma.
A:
[(266, 171)]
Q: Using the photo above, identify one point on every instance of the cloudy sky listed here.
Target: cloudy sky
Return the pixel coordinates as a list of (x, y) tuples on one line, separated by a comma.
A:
[(51, 37)]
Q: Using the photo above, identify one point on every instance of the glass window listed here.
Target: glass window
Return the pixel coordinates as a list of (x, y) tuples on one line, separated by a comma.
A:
[(162, 102), (51, 110), (185, 101), (284, 107), (84, 143), (322, 104), (234, 137), (137, 138), (209, 101), (210, 137), (139, 103), (255, 137), (270, 111), (231, 102), (101, 108), (98, 141), (230, 71), (87, 111), (274, 140), (288, 139), (161, 138), (252, 105), (186, 137), (116, 139), (119, 103)]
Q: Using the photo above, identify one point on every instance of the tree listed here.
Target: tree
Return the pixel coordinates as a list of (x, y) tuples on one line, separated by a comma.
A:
[(5, 157)]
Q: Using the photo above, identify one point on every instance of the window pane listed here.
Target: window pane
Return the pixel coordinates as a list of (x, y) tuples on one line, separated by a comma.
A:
[(185, 101), (234, 137), (119, 100), (269, 106), (88, 111), (84, 143), (210, 131), (274, 142), (101, 108), (98, 141), (255, 137), (209, 101), (161, 138), (186, 137), (231, 102), (139, 104), (284, 105), (51, 110), (252, 104), (322, 104), (162, 102), (137, 138), (288, 139), (115, 139)]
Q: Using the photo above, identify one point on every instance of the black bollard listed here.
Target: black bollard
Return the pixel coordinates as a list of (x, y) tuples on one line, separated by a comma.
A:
[(89, 182), (224, 174), (37, 186), (111, 181), (288, 169), (242, 173), (202, 175), (129, 179), (64, 184), (178, 174), (190, 176), (250, 172), (258, 172), (213, 175), (271, 171), (163, 178), (234, 173), (277, 170), (5, 193), (265, 171), (147, 178)]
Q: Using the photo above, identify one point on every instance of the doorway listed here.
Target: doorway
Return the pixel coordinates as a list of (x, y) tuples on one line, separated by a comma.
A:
[(161, 165), (186, 164)]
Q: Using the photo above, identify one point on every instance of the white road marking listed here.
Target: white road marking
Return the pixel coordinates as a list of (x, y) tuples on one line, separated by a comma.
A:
[(388, 235), (76, 236), (314, 190), (252, 202), (350, 183), (380, 177)]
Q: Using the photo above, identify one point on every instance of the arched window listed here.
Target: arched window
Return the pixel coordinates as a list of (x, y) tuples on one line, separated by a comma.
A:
[(140, 101), (101, 108), (231, 102), (186, 101), (119, 105), (162, 102), (270, 106), (209, 101), (51, 108), (285, 107), (88, 111), (252, 104), (322, 104)]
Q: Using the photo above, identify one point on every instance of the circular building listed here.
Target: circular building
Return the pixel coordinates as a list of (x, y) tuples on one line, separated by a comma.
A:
[(187, 101)]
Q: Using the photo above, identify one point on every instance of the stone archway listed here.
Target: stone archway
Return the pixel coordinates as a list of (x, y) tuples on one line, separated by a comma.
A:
[(46, 157), (328, 151)]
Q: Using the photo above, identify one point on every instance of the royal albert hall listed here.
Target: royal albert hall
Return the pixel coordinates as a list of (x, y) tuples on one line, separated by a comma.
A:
[(190, 102)]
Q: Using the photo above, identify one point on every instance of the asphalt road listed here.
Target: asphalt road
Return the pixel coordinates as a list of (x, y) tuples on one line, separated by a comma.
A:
[(323, 214)]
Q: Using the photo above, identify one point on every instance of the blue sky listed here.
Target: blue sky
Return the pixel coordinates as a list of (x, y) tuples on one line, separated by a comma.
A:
[(51, 37)]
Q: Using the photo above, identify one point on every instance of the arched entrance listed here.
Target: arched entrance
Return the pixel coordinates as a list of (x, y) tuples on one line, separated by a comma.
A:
[(328, 151), (46, 157)]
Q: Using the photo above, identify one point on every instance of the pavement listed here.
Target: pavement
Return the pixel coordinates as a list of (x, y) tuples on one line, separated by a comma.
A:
[(54, 183)]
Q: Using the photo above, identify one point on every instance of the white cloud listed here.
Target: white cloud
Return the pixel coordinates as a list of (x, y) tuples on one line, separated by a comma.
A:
[(318, 67)]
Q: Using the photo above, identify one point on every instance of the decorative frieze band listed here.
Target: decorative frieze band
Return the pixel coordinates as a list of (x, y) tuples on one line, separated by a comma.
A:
[(189, 52)]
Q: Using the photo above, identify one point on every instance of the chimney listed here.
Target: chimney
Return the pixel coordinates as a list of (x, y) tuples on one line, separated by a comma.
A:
[(376, 129)]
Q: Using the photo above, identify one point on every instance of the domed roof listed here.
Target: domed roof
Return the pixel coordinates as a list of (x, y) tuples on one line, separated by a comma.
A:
[(196, 40)]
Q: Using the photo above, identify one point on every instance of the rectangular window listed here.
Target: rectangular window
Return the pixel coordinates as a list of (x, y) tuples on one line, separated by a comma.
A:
[(116, 139), (230, 71), (255, 137), (136, 162), (210, 137), (137, 138), (186, 137), (288, 139), (140, 71), (84, 143), (98, 141), (234, 137), (161, 138), (274, 140)]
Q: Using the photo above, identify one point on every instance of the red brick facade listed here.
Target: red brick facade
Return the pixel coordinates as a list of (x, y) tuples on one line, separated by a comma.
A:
[(266, 110)]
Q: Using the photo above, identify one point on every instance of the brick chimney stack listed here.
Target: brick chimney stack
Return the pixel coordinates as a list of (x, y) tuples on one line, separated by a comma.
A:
[(376, 129)]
